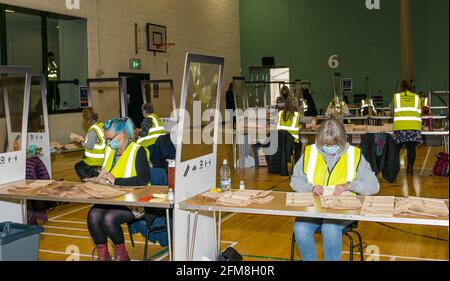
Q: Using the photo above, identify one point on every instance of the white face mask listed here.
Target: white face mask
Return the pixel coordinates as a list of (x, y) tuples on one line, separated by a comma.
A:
[(331, 150)]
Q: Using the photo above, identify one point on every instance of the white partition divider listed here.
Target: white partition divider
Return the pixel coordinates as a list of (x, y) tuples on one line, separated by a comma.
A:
[(42, 139), (12, 161), (196, 168)]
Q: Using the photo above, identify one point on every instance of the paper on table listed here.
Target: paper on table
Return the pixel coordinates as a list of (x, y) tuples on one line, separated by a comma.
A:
[(329, 190), (302, 199), (420, 207), (378, 206), (340, 202)]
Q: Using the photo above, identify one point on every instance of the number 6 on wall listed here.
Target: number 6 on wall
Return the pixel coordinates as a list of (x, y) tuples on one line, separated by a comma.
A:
[(333, 62)]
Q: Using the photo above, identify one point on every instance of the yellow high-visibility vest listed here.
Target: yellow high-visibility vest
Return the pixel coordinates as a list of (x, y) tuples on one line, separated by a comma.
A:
[(125, 167), (96, 156), (52, 70), (292, 125), (408, 112), (425, 102), (315, 167), (155, 131)]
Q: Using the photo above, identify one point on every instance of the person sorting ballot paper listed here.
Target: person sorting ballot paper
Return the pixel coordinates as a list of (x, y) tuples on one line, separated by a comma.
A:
[(330, 162)]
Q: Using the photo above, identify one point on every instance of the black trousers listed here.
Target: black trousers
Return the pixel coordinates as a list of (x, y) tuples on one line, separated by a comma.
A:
[(411, 151), (105, 221), (53, 96), (84, 171)]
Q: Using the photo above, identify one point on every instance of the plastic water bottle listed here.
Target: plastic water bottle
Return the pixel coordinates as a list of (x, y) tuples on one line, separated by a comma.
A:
[(242, 185), (225, 177)]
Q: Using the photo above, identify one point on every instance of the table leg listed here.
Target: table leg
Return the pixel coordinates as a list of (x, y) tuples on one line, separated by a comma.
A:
[(194, 232), (23, 208), (234, 151), (188, 233), (218, 234), (169, 235)]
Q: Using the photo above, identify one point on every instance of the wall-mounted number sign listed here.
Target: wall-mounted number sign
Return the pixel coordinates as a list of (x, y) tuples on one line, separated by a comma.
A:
[(373, 4), (333, 62)]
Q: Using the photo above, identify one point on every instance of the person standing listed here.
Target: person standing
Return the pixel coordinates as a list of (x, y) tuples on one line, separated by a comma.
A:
[(407, 109), (53, 73), (289, 120)]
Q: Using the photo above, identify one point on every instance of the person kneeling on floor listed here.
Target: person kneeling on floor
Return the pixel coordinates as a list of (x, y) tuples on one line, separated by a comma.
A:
[(331, 161)]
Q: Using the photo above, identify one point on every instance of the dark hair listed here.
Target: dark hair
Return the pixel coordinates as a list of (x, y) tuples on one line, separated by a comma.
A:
[(230, 87), (285, 89), (405, 86), (290, 107), (51, 54), (89, 114), (147, 108)]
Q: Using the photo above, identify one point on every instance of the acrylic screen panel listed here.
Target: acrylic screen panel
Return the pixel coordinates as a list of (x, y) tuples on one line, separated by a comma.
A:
[(105, 97), (159, 94), (36, 122), (257, 94), (240, 93), (202, 90), (11, 112)]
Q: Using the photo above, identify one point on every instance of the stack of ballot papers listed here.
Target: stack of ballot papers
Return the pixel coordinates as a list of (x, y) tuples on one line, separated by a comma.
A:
[(378, 206), (31, 187), (329, 190), (340, 202), (303, 199), (415, 206), (245, 198), (101, 191)]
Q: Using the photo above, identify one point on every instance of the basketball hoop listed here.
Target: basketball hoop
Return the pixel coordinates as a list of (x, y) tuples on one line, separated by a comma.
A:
[(164, 47)]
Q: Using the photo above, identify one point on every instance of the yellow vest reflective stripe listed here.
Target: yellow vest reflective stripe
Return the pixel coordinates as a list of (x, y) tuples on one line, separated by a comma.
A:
[(125, 167), (425, 102), (52, 70), (155, 131), (316, 171), (292, 125), (96, 156), (408, 112)]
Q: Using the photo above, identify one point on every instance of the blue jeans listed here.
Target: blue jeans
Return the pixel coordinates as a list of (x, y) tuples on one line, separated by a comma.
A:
[(304, 229)]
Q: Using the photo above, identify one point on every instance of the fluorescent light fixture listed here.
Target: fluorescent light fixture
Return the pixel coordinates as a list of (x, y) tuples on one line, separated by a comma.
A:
[(10, 11)]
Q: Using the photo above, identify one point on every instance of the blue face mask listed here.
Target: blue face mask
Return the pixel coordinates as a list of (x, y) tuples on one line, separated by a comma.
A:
[(331, 150), (114, 144)]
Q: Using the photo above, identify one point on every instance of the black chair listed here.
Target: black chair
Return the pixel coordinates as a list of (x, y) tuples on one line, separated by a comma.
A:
[(350, 229)]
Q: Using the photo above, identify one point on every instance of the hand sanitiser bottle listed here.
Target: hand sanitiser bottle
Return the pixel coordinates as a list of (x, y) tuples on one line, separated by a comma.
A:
[(225, 177)]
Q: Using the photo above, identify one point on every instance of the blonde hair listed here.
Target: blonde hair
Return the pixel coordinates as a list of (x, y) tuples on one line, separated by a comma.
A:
[(90, 115), (331, 131)]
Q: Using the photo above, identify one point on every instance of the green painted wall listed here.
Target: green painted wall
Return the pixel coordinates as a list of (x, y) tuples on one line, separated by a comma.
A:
[(303, 34)]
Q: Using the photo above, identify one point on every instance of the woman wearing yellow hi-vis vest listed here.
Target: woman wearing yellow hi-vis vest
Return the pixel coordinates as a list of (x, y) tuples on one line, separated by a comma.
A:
[(151, 128), (289, 120), (407, 109), (94, 145), (126, 164), (330, 164)]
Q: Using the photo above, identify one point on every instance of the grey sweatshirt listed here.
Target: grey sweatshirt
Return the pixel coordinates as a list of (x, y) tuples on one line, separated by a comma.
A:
[(366, 182), (91, 139)]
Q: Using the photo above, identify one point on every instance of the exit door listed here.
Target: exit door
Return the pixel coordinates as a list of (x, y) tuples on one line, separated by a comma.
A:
[(134, 98)]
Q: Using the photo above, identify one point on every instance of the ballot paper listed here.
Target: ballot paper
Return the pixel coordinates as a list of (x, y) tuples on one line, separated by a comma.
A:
[(245, 198), (378, 206), (299, 199), (340, 202), (415, 206), (32, 186), (101, 191), (329, 190)]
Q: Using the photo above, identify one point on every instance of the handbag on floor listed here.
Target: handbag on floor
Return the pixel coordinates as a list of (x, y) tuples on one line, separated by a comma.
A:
[(441, 167)]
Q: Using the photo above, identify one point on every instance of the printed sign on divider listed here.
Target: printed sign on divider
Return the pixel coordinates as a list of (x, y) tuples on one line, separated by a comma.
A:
[(197, 134), (15, 83)]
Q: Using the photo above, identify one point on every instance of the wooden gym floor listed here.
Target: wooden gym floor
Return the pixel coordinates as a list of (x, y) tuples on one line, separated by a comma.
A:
[(266, 238)]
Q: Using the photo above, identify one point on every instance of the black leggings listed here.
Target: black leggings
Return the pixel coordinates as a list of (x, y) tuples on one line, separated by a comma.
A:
[(411, 150), (105, 221)]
